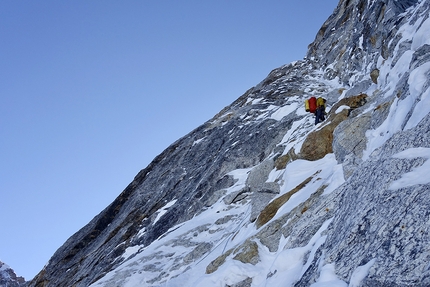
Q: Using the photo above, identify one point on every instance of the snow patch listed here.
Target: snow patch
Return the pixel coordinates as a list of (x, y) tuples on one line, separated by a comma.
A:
[(328, 278), (130, 251), (284, 111), (336, 179), (418, 175), (341, 108), (197, 141), (360, 273), (163, 210), (421, 36)]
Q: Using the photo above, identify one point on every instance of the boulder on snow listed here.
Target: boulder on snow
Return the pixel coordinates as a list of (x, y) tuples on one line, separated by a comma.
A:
[(319, 143), (237, 196), (353, 102), (282, 161), (215, 264), (244, 283), (374, 75), (247, 253)]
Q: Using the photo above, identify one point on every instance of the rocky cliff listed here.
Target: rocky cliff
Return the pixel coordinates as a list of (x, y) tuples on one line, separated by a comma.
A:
[(8, 277), (260, 195)]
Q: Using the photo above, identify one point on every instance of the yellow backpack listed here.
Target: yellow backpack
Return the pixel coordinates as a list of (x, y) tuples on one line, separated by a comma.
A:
[(320, 102)]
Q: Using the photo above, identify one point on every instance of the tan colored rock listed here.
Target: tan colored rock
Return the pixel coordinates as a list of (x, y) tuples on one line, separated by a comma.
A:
[(319, 143), (247, 253), (214, 265), (352, 102), (282, 161), (374, 76), (272, 208)]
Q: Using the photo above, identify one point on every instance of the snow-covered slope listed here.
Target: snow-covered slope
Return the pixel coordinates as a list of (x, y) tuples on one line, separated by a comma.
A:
[(260, 196), (8, 277)]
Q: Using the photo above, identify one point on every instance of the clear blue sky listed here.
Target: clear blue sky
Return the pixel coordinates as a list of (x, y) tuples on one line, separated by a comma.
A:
[(92, 91)]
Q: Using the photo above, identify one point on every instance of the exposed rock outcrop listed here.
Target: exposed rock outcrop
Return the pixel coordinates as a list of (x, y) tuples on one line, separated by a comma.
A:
[(270, 210), (320, 142), (388, 224), (8, 278)]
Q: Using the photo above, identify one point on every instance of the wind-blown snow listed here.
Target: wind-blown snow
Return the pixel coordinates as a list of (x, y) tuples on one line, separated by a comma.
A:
[(3, 266), (280, 113), (418, 175), (360, 273), (418, 78), (418, 102), (163, 210), (286, 266), (328, 171), (341, 108), (420, 36), (328, 278)]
